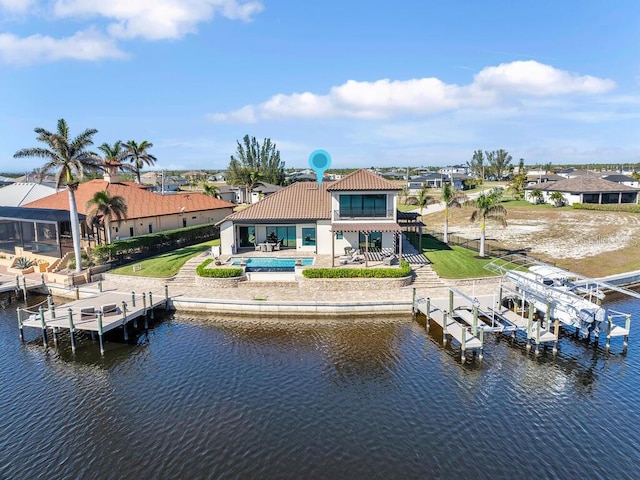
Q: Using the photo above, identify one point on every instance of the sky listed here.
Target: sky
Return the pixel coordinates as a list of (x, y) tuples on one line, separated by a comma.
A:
[(374, 83)]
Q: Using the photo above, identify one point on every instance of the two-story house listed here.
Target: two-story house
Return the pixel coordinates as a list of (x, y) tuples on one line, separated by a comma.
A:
[(357, 211)]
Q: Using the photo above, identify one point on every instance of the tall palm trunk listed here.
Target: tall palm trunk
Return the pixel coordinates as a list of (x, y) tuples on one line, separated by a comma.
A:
[(107, 230), (138, 179), (75, 228), (482, 239)]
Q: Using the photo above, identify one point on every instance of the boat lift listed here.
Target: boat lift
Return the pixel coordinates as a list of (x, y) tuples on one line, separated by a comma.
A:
[(564, 297)]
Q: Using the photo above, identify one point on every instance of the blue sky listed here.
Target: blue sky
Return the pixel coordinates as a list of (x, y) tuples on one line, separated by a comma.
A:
[(375, 83)]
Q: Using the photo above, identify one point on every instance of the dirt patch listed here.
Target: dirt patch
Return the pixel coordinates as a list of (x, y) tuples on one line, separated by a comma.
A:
[(574, 238)]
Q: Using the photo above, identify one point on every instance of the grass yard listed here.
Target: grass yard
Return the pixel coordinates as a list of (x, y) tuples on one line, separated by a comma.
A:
[(453, 261), (166, 264)]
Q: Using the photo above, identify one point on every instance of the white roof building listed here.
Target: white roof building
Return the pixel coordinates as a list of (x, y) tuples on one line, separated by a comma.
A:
[(18, 194)]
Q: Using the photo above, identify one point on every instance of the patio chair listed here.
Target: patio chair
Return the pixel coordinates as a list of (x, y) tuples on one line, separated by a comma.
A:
[(356, 257)]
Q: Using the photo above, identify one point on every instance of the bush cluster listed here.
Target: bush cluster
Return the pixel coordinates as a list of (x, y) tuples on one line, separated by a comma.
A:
[(203, 271), (608, 207), (403, 271), (154, 242)]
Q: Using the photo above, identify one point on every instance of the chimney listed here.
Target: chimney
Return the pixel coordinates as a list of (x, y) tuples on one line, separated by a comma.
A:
[(111, 172)]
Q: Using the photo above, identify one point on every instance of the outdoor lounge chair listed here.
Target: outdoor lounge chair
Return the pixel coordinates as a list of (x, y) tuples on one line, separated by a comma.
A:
[(356, 257)]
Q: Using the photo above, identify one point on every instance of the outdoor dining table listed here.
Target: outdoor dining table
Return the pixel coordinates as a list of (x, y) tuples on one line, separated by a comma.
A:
[(266, 247)]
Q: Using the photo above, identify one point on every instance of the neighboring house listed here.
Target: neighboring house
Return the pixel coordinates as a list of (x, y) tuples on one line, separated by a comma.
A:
[(6, 180), (147, 212), (394, 175), (228, 193), (48, 180), (622, 180), (35, 232), (586, 189), (358, 211), (18, 194), (536, 178), (455, 169), (436, 180), (262, 190)]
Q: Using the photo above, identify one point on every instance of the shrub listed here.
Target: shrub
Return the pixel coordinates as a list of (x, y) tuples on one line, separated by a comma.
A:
[(155, 242), (608, 207), (86, 262), (203, 271), (23, 263), (403, 271)]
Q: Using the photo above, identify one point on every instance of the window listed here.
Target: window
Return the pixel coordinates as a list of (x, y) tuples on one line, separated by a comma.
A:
[(375, 241), (184, 222), (150, 228), (363, 205), (339, 236), (286, 234), (308, 236), (131, 231)]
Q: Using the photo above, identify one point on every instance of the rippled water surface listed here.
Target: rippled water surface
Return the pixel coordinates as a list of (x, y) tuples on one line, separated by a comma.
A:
[(212, 397)]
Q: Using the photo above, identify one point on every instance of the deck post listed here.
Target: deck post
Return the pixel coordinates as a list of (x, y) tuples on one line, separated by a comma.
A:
[(428, 321), (19, 312), (609, 325), (24, 288), (44, 326), (71, 330), (100, 332), (100, 285), (52, 311), (451, 301), (444, 327), (133, 299), (144, 309), (17, 282), (124, 321), (463, 345), (77, 293), (152, 313), (627, 325), (413, 303), (166, 297), (475, 321)]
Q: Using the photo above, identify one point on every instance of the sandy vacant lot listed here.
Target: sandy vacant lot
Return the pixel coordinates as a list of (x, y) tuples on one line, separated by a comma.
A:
[(586, 241)]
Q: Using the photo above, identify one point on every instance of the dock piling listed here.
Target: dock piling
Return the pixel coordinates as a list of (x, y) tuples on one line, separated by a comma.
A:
[(609, 325), (100, 285), (166, 297), (43, 326), (444, 328), (101, 333), (133, 299), (144, 309), (627, 326), (71, 330), (152, 314), (413, 304), (556, 334), (463, 345), (124, 321), (77, 293), (481, 355), (19, 313), (428, 312), (24, 288)]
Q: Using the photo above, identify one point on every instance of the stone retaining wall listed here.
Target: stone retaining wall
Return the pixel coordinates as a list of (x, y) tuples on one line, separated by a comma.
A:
[(214, 282), (351, 284)]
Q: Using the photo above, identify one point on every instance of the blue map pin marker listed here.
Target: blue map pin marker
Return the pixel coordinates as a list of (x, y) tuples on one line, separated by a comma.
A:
[(319, 161)]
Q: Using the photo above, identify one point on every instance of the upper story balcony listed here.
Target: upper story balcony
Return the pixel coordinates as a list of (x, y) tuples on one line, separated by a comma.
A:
[(350, 214)]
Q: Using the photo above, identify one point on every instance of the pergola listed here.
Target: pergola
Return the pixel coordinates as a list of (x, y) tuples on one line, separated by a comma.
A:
[(365, 229)]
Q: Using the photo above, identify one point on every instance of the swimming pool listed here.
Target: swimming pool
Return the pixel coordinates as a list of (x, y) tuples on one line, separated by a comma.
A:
[(270, 264)]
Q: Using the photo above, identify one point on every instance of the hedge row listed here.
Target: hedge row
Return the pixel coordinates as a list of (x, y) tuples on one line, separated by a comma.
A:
[(154, 242), (608, 207), (203, 271), (403, 271)]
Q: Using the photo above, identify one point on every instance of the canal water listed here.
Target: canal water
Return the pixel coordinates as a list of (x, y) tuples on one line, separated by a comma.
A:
[(214, 397)]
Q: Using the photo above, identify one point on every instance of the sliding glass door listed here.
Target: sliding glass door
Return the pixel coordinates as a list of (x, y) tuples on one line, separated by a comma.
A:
[(285, 234)]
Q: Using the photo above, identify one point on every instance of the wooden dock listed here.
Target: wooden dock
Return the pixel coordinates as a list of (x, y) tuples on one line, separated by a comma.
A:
[(18, 285), (98, 313)]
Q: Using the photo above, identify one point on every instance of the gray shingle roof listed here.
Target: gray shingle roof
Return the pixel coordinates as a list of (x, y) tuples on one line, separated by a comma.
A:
[(583, 184)]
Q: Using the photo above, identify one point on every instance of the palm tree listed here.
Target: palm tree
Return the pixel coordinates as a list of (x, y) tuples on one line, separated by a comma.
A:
[(102, 205), (70, 158), (137, 154), (211, 190), (487, 207), (450, 198), (557, 198), (404, 194), (423, 198), (536, 196)]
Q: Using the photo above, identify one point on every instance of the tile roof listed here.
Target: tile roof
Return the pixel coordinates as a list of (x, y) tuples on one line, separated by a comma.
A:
[(583, 184), (140, 202), (298, 201), (363, 180)]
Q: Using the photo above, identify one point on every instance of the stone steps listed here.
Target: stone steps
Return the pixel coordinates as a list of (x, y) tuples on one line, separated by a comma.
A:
[(424, 276)]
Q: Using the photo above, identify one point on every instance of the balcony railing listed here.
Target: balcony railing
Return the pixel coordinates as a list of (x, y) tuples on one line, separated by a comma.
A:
[(362, 214)]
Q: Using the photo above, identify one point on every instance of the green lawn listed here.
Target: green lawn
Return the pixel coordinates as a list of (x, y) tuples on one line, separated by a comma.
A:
[(166, 264), (454, 261)]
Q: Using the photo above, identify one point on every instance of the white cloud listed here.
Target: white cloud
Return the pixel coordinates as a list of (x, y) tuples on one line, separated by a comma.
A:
[(387, 98), (537, 79), (85, 45), (17, 6), (157, 19)]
